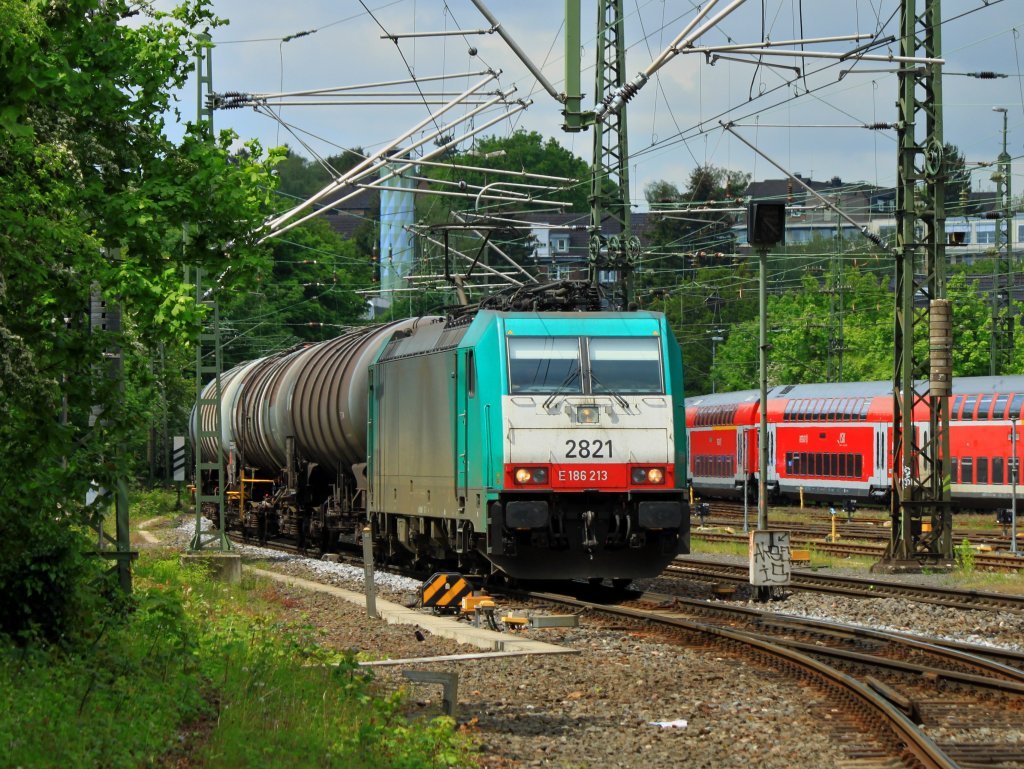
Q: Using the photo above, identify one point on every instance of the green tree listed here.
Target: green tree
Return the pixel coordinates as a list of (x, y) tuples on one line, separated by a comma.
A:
[(680, 240), (95, 198), (972, 322), (704, 309), (800, 319), (307, 294), (520, 151), (300, 177)]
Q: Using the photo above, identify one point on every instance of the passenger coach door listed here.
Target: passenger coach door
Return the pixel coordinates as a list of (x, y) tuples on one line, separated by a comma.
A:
[(741, 454)]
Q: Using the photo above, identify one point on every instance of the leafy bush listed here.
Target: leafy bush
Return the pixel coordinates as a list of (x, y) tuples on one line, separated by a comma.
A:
[(46, 580), (114, 702), (964, 556), (200, 673), (278, 697)]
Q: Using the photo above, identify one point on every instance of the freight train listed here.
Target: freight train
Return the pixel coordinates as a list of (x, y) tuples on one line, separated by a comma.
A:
[(533, 443), (832, 442)]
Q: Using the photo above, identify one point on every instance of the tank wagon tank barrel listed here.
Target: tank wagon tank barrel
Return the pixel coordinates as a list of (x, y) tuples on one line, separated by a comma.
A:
[(316, 394)]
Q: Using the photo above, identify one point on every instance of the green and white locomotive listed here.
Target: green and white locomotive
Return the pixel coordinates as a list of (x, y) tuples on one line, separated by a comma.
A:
[(544, 445)]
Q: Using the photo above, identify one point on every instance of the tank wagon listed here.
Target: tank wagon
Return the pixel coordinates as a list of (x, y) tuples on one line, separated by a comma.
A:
[(832, 442), (539, 444)]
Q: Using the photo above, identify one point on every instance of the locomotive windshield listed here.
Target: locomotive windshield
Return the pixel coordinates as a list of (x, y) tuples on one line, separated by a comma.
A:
[(544, 365), (625, 365), (594, 365)]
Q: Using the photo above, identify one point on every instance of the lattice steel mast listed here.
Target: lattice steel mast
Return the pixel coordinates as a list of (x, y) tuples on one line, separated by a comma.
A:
[(618, 251), (208, 361), (921, 382), (1002, 285)]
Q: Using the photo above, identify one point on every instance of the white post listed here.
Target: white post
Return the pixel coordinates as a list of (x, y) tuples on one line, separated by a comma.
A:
[(743, 463), (1013, 488), (371, 588)]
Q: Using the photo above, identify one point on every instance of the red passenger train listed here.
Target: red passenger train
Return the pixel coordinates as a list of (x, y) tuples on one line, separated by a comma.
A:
[(834, 441)]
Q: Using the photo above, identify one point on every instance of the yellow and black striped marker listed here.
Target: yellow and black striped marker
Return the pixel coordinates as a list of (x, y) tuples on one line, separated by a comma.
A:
[(444, 591)]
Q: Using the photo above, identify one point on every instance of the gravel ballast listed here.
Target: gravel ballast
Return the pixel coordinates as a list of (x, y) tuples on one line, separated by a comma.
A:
[(626, 699)]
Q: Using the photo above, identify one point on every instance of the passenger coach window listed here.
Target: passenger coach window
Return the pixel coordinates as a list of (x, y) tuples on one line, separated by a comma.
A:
[(630, 365), (1015, 404), (1000, 410), (544, 365), (969, 403), (997, 470), (967, 470), (982, 470), (983, 406)]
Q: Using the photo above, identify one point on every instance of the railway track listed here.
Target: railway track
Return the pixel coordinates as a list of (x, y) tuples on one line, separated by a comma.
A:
[(893, 700), (861, 587), (863, 526), (987, 561)]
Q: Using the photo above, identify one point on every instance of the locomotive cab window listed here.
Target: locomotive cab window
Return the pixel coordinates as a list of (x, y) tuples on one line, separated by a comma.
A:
[(627, 365), (544, 365), (595, 365)]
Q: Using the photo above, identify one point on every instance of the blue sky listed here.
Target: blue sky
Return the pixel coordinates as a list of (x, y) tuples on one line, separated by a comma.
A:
[(673, 121)]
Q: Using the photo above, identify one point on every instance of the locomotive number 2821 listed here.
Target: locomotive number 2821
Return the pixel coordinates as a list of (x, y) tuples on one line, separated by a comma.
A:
[(584, 449)]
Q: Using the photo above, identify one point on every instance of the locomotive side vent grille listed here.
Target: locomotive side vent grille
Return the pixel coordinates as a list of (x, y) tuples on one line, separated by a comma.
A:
[(450, 338)]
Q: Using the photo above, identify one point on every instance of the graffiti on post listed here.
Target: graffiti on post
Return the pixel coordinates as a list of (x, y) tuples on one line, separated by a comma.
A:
[(770, 562)]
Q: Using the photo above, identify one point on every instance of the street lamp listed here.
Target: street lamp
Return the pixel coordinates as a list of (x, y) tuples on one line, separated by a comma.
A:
[(715, 339)]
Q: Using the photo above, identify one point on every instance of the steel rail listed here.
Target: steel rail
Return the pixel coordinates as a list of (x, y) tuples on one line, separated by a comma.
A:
[(905, 740), (861, 587)]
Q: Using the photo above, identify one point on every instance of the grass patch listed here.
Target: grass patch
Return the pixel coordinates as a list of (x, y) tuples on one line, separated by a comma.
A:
[(818, 559), (112, 699), (157, 502), (997, 582), (198, 673)]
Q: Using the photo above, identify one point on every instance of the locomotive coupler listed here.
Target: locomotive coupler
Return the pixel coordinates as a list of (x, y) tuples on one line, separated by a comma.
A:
[(589, 540), (620, 533)]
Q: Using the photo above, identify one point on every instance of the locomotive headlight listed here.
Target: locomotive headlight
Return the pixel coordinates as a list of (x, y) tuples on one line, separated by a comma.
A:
[(531, 476), (588, 415), (648, 475)]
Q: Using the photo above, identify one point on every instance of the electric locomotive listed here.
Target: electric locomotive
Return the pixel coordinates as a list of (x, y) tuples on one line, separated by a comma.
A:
[(543, 445)]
